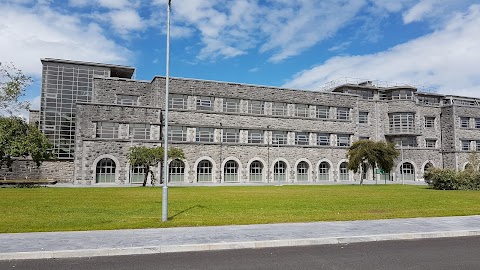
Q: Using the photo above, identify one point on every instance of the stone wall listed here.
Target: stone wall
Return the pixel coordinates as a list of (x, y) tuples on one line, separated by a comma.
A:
[(24, 169)]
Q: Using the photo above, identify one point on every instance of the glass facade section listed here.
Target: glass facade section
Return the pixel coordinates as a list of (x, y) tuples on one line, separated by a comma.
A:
[(402, 122), (63, 85)]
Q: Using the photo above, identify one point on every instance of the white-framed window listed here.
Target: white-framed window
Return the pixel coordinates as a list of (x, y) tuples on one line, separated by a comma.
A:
[(105, 171), (280, 171), (177, 134), (205, 103), (256, 171), (403, 122), (302, 171), (409, 141), (323, 139), (176, 101), (205, 135), (230, 171), (477, 122), (400, 94), (279, 108), (231, 135), (256, 107), (127, 99), (302, 110), (465, 145), (231, 105), (464, 122), (322, 112), (343, 173), (107, 130), (176, 171), (363, 117), (343, 140), (140, 131), (429, 122), (204, 171), (255, 136), (343, 113), (279, 137), (407, 171), (301, 138), (430, 143), (324, 171), (137, 174)]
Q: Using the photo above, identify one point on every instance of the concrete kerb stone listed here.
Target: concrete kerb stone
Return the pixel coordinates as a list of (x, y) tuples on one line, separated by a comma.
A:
[(229, 246)]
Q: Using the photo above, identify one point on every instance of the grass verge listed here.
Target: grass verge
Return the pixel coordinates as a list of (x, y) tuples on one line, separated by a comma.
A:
[(66, 209)]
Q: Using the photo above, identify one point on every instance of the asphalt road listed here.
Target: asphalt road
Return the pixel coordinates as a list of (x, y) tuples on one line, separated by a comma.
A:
[(445, 253)]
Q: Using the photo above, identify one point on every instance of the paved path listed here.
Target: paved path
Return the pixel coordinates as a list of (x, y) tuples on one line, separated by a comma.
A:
[(148, 241)]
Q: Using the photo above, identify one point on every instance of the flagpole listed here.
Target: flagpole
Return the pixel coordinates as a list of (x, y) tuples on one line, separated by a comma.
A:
[(165, 133)]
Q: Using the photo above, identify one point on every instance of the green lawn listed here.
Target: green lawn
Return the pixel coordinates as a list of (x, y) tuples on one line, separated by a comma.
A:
[(65, 209)]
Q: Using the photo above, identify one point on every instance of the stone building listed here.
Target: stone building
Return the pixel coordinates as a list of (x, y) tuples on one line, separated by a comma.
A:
[(238, 133)]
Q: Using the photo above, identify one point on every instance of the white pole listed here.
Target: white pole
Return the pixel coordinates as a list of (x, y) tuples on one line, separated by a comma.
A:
[(165, 134)]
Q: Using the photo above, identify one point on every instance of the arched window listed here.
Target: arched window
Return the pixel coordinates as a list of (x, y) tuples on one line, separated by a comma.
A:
[(256, 171), (137, 174), (343, 172), (468, 167), (105, 172), (204, 171), (324, 171), (176, 171), (230, 171), (302, 171), (407, 172), (280, 171)]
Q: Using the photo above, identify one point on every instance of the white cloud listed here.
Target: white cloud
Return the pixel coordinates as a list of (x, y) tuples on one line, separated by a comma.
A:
[(41, 32), (447, 58)]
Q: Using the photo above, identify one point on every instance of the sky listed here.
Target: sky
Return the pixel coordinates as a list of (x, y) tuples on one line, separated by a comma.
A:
[(298, 44)]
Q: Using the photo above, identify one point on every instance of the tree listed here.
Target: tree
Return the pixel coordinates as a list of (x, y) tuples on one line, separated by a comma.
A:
[(12, 87), (365, 154), (148, 157), (19, 139)]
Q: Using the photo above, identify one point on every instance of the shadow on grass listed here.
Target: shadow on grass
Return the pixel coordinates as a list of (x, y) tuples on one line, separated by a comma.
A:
[(185, 210)]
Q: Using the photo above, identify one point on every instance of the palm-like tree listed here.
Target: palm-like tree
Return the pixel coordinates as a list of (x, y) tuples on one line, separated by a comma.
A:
[(365, 154)]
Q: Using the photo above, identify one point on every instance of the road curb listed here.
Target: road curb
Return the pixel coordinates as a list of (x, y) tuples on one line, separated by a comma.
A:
[(82, 253)]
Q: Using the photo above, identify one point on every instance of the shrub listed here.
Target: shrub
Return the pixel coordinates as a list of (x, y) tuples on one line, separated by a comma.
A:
[(446, 179)]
